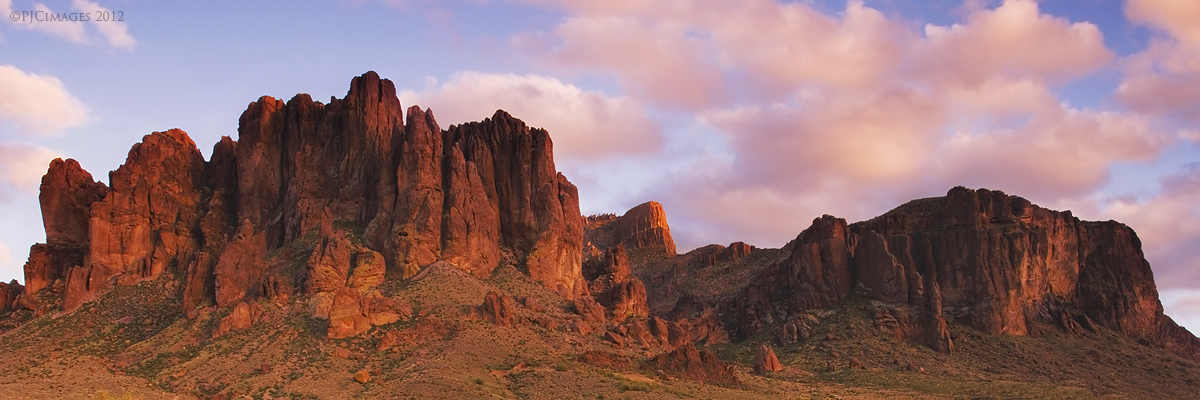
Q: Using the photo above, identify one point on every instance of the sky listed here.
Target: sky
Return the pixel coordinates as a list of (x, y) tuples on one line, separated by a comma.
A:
[(745, 119)]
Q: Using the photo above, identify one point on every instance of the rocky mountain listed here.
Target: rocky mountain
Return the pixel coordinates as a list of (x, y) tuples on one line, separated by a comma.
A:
[(355, 249)]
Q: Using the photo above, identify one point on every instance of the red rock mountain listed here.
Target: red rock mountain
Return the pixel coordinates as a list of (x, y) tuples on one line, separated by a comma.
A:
[(375, 193), (420, 194), (979, 257)]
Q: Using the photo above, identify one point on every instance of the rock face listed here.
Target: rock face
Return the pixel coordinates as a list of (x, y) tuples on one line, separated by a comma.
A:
[(67, 193), (418, 195), (148, 219), (644, 226), (640, 227), (817, 274), (614, 287), (536, 208), (990, 260), (423, 194), (8, 294)]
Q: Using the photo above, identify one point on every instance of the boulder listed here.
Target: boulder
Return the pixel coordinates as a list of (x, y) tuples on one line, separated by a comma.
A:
[(497, 308), (688, 362), (346, 316), (242, 317), (591, 311), (766, 361)]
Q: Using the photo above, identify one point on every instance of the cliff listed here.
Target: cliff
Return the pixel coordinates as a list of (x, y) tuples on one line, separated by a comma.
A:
[(988, 260), (466, 195)]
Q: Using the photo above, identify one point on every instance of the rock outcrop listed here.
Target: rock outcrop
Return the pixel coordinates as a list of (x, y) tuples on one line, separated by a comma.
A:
[(644, 226), (766, 361), (614, 287), (688, 362), (9, 293), (978, 257), (497, 308), (416, 193), (67, 193)]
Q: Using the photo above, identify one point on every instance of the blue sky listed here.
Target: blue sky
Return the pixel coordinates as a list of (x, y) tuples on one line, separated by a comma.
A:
[(746, 119)]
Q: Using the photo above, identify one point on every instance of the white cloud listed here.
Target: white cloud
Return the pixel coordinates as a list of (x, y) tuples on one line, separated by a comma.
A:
[(37, 104), (72, 29), (114, 31), (585, 125), (21, 168)]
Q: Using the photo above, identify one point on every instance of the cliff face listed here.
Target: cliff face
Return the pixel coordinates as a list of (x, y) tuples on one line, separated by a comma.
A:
[(419, 194), (644, 226), (990, 260)]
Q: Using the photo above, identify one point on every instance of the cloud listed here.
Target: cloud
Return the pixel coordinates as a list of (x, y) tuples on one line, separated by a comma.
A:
[(586, 125), (5, 255), (805, 46), (115, 32), (38, 104), (21, 168), (1182, 305), (654, 59), (1168, 225), (71, 31), (706, 53), (851, 112), (1164, 79), (1175, 17), (1014, 40)]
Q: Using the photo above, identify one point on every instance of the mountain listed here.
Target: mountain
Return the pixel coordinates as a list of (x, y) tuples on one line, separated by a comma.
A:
[(356, 249)]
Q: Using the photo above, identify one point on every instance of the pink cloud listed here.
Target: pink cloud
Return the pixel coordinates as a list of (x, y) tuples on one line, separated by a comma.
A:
[(853, 112), (864, 137), (37, 104), (656, 60), (1178, 18), (21, 168), (1059, 152), (586, 125), (1169, 227), (785, 45), (5, 256), (1012, 40), (1165, 78)]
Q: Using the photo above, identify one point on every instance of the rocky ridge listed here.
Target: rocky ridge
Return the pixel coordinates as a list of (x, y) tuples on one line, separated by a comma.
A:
[(338, 210), (468, 196)]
